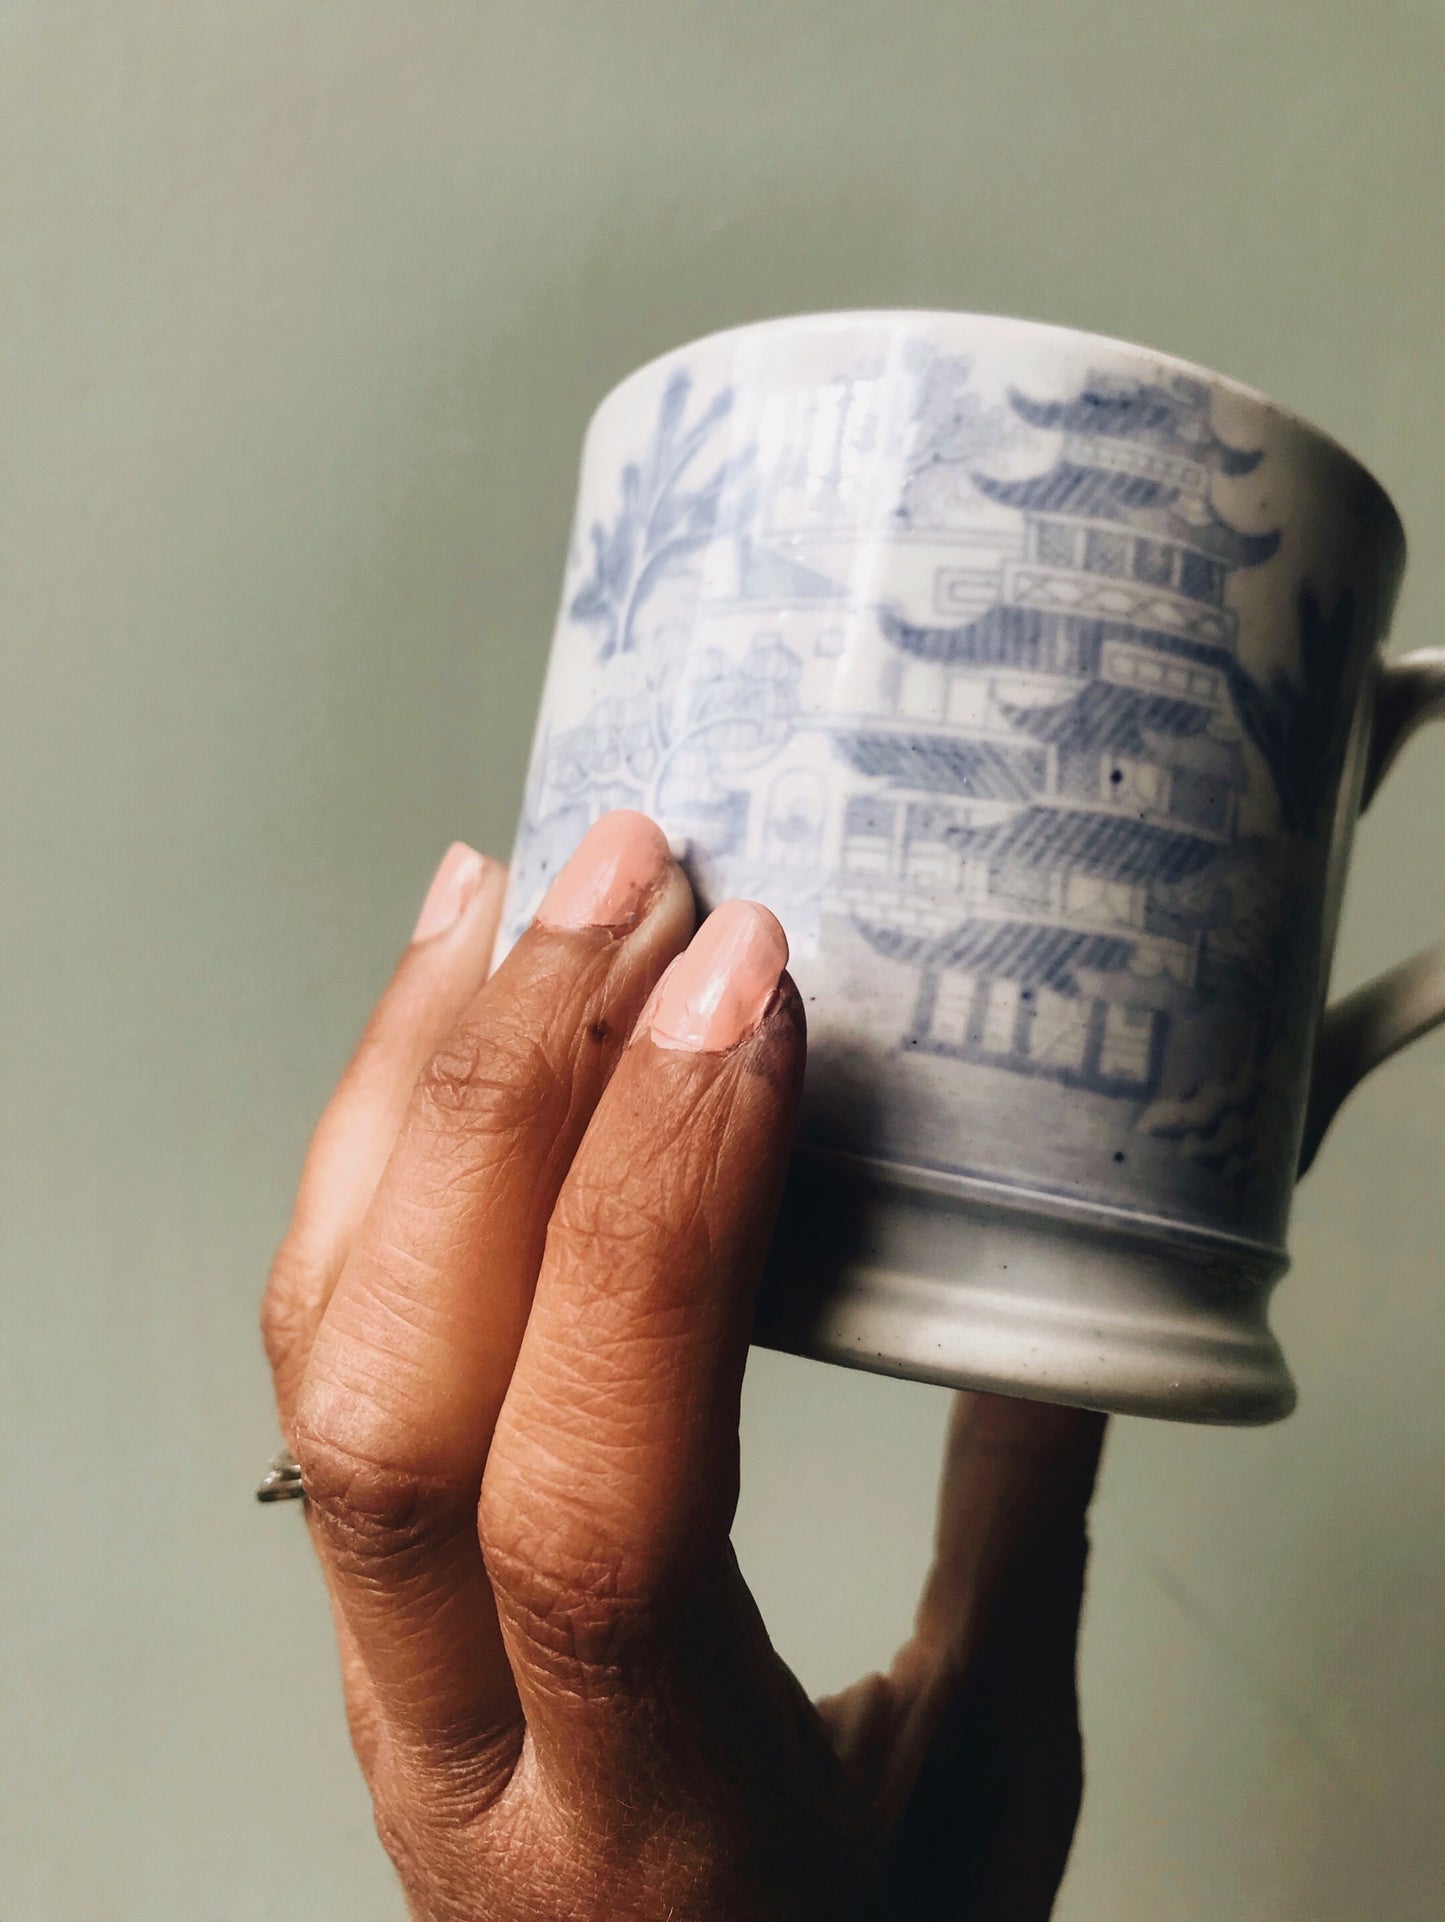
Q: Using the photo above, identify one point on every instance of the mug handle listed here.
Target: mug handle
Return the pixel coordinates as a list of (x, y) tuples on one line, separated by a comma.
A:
[(1365, 1028)]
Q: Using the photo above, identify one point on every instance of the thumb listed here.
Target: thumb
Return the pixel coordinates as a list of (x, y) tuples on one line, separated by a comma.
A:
[(996, 1769)]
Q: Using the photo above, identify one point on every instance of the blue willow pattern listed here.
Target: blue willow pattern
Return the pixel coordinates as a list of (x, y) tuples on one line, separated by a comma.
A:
[(1036, 821)]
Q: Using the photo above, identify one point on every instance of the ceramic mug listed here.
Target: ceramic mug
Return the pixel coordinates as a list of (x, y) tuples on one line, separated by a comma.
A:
[(1034, 680)]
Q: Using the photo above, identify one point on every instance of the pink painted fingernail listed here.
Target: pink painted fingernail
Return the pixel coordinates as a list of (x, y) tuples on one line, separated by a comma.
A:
[(643, 1023), (717, 992), (453, 889), (620, 861)]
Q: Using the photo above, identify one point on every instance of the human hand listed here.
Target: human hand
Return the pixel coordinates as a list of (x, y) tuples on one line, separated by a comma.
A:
[(508, 1326)]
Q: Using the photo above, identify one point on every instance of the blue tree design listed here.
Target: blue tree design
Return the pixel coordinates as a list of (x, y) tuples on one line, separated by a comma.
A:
[(685, 737), (674, 721), (1295, 724), (954, 428), (665, 514)]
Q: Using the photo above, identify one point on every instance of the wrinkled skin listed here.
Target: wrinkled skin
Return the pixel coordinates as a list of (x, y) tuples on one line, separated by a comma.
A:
[(508, 1326)]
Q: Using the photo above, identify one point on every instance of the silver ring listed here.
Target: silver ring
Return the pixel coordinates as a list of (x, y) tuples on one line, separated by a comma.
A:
[(282, 1480)]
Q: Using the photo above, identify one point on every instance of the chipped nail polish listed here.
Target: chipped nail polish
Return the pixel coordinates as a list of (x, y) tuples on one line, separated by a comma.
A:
[(619, 862), (717, 991)]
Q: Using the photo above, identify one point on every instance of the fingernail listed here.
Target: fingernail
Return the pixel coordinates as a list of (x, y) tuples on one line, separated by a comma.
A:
[(620, 861), (453, 889), (717, 992), (643, 1024)]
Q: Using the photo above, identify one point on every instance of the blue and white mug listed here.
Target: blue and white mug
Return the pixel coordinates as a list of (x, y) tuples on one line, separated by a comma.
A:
[(1034, 680)]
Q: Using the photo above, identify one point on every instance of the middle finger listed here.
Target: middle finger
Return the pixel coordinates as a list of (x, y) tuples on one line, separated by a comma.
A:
[(415, 1351)]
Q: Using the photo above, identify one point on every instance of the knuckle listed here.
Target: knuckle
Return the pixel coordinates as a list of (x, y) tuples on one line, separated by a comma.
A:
[(394, 1835), (369, 1505), (363, 1725), (439, 1825), (488, 1079), (585, 1623), (395, 1823)]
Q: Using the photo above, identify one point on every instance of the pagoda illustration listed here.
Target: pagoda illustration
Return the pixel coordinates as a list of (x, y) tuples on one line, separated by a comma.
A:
[(1050, 805)]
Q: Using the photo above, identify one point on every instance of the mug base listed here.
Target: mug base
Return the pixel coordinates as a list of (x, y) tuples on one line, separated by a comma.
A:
[(940, 1279)]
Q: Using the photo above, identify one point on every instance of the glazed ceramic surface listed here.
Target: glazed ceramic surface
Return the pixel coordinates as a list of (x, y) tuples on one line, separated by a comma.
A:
[(1031, 678)]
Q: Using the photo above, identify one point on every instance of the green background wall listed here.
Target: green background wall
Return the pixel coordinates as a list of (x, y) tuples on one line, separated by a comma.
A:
[(304, 308)]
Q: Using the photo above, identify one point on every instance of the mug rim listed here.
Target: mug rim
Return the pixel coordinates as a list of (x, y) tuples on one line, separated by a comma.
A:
[(1056, 331)]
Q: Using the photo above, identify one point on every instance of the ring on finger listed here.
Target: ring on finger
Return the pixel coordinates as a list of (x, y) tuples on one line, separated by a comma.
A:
[(282, 1480)]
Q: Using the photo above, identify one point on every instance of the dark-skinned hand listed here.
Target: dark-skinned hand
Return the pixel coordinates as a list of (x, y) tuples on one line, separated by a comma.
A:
[(508, 1327)]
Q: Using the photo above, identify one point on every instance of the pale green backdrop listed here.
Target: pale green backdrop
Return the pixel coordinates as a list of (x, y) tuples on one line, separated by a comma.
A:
[(303, 309)]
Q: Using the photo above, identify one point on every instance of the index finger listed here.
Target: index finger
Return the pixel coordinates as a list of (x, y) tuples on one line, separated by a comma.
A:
[(414, 1353), (1016, 1483), (1012, 1471)]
